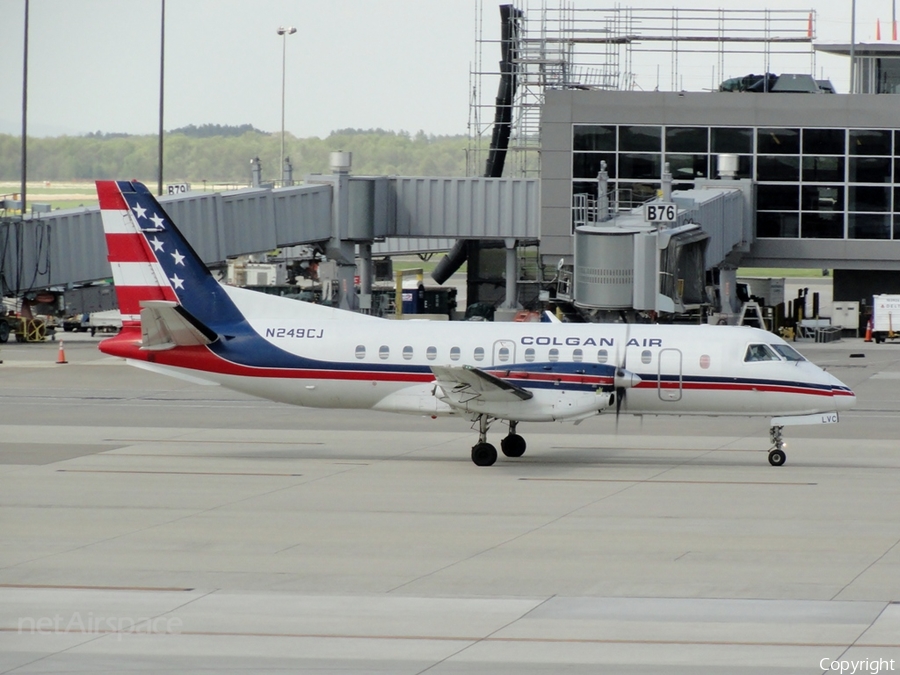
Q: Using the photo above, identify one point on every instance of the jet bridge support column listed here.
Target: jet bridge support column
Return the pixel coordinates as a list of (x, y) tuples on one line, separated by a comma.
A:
[(339, 249), (730, 304), (512, 275), (365, 276)]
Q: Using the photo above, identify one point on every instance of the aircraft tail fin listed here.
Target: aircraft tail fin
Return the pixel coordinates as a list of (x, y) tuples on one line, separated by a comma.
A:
[(153, 263)]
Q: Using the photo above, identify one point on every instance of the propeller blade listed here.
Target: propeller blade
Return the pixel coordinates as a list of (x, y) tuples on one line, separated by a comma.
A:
[(624, 378)]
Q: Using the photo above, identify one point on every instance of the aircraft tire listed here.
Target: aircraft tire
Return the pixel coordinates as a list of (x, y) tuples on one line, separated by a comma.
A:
[(777, 457), (484, 454), (513, 445)]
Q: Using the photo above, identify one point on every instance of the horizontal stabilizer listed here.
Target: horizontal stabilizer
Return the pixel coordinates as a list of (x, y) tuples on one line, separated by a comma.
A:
[(166, 325), (466, 383)]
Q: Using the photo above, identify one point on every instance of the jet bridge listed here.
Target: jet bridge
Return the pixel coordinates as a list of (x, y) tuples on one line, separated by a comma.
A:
[(620, 263), (626, 263), (67, 247)]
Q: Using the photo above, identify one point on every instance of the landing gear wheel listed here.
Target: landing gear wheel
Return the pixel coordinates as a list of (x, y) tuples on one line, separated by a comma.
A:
[(777, 457), (484, 454), (777, 454), (513, 445)]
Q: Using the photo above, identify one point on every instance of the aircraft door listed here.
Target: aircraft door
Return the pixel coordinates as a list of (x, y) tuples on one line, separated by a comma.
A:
[(669, 375), (504, 353)]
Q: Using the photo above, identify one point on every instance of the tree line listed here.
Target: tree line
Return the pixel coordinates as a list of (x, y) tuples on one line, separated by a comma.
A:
[(220, 154)]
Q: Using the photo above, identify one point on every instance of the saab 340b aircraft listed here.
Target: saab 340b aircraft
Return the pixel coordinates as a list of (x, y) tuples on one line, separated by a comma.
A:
[(178, 320)]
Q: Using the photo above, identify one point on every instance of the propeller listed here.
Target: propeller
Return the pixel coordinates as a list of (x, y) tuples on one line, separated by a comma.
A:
[(624, 379)]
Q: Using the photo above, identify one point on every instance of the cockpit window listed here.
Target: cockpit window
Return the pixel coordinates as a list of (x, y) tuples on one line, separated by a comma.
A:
[(788, 353), (760, 353)]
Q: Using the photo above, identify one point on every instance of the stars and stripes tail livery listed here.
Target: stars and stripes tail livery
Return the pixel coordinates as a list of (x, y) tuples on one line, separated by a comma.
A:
[(178, 320), (151, 260)]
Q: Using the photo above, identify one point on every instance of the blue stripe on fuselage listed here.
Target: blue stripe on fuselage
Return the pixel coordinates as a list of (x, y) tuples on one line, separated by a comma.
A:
[(246, 347)]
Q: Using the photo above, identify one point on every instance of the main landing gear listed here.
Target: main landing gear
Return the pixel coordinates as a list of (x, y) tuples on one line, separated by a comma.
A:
[(777, 455), (485, 454)]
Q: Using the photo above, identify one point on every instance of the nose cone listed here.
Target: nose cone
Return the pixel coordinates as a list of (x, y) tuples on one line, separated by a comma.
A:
[(625, 379), (843, 396)]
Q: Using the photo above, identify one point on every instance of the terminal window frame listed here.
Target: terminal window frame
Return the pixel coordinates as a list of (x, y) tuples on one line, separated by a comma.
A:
[(843, 177)]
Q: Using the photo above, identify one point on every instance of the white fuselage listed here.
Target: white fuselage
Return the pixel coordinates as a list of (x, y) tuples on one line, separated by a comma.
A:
[(353, 361)]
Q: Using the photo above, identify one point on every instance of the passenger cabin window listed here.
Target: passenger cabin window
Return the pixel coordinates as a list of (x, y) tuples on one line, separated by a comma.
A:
[(577, 355), (788, 353), (602, 356), (760, 353), (407, 352), (360, 351), (479, 353), (646, 356), (503, 354), (554, 355), (384, 352), (431, 353), (529, 354), (454, 353)]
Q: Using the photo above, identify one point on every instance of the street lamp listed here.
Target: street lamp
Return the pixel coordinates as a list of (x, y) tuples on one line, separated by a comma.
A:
[(283, 32)]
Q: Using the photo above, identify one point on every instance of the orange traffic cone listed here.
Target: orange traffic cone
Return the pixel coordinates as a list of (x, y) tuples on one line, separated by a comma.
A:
[(868, 331), (61, 358)]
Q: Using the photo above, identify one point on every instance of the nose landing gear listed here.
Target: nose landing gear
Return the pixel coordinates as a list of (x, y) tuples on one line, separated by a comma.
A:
[(777, 455)]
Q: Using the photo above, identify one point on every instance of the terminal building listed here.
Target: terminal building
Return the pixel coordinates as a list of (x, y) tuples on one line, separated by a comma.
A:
[(822, 168)]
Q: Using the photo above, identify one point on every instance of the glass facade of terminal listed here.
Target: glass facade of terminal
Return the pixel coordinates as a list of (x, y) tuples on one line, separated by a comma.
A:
[(811, 183)]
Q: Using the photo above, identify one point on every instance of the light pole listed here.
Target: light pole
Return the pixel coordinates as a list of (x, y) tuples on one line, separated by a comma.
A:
[(283, 32), (24, 119), (162, 79)]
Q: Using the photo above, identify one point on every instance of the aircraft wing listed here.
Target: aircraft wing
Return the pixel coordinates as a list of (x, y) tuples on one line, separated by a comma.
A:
[(462, 384), (166, 325)]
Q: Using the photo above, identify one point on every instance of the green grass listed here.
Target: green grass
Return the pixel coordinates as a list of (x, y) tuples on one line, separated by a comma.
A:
[(779, 272), (66, 203), (63, 195)]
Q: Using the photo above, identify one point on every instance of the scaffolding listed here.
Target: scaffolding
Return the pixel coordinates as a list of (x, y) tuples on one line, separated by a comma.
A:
[(561, 46)]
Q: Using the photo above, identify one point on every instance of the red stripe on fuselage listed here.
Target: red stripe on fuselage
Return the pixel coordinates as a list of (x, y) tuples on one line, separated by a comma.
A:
[(129, 248), (110, 196), (204, 360), (739, 386)]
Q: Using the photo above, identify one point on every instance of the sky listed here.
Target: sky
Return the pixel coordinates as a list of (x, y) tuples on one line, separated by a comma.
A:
[(392, 64)]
